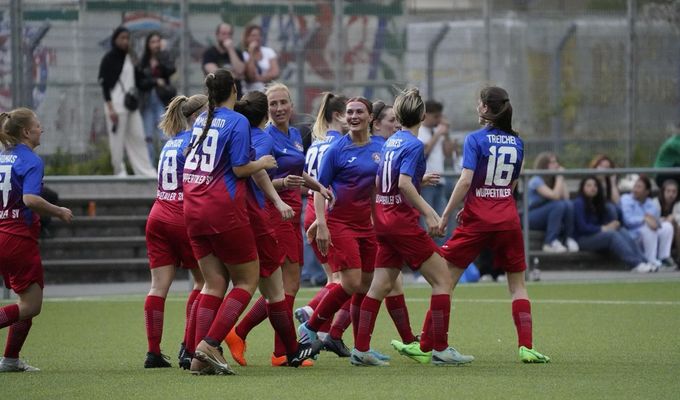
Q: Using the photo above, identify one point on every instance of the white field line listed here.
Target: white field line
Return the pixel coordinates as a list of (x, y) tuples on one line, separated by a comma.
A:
[(139, 298)]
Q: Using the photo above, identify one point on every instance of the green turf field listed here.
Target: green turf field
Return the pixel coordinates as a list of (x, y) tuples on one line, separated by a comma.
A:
[(607, 340)]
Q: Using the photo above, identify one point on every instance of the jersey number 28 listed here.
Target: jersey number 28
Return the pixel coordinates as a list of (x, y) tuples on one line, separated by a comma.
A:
[(499, 169)]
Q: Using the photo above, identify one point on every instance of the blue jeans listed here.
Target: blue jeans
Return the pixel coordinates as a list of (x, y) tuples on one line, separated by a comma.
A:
[(618, 243), (152, 111), (555, 217)]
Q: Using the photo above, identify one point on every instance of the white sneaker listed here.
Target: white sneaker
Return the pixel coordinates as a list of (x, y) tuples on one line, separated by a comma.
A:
[(643, 268), (572, 246), (16, 365), (554, 247)]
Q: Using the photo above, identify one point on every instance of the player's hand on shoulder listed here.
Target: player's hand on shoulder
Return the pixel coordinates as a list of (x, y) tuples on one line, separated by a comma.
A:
[(65, 214)]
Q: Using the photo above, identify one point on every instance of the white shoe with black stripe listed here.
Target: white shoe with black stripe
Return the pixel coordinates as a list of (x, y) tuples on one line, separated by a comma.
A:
[(304, 352)]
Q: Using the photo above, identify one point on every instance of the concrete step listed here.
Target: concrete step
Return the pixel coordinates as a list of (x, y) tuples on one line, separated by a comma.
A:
[(581, 260), (99, 226), (100, 271), (103, 205), (110, 247)]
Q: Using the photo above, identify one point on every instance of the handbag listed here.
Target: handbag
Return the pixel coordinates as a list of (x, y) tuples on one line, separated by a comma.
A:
[(131, 99), (166, 93)]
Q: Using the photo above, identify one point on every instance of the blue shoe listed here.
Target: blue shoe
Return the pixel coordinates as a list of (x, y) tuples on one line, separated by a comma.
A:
[(307, 336), (303, 314), (450, 356), (366, 359), (380, 356)]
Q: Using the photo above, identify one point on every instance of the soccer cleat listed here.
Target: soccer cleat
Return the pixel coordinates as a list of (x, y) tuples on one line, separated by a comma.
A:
[(16, 365), (199, 367), (213, 356), (303, 314), (366, 359), (531, 356), (450, 356), (380, 356), (184, 357), (282, 361), (337, 346), (306, 335), (156, 361), (412, 351), (304, 352), (237, 347)]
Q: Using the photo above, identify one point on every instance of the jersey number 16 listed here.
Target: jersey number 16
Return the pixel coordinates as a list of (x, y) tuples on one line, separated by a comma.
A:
[(499, 169)]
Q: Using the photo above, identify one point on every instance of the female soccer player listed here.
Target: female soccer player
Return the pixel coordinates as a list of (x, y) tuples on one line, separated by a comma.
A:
[(288, 181), (216, 166), (492, 160), (348, 167), (401, 240), (21, 174), (329, 125), (167, 242), (254, 107)]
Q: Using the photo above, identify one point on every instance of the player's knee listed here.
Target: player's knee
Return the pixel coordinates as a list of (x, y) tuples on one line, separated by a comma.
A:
[(29, 309)]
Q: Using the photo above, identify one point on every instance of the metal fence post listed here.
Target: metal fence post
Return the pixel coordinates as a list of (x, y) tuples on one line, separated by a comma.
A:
[(487, 41), (525, 219), (184, 47), (339, 44), (17, 40), (630, 81), (431, 49)]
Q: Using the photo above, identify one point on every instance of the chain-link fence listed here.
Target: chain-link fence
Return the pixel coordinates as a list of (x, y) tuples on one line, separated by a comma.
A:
[(584, 76)]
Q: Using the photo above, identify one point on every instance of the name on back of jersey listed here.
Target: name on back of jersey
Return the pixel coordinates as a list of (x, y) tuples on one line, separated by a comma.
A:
[(8, 158), (216, 122), (493, 193), (169, 196), (388, 200), (502, 139), (394, 142)]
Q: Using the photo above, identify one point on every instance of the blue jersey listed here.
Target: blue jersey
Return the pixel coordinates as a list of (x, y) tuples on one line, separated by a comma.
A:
[(379, 139), (404, 154), (214, 198), (21, 172), (496, 158), (290, 157), (315, 153), (261, 145), (350, 171), (169, 205)]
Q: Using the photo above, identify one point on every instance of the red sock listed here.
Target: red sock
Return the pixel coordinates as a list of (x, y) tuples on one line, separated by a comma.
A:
[(341, 321), (257, 314), (367, 317), (282, 322), (16, 337), (314, 303), (326, 326), (354, 311), (153, 316), (396, 306), (232, 307), (191, 300), (279, 343), (328, 306), (205, 315), (9, 315), (440, 307), (521, 314), (426, 335), (190, 340)]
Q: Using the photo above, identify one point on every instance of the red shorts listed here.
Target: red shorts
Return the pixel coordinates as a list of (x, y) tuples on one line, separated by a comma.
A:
[(168, 244), (352, 253), (289, 236), (396, 250), (20, 263), (270, 254), (236, 246), (507, 248), (310, 217)]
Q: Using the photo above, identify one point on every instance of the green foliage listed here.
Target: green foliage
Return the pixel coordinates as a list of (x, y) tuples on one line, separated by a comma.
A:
[(607, 341), (98, 162)]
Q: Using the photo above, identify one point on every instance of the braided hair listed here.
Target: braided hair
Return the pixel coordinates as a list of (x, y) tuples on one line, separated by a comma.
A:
[(220, 86)]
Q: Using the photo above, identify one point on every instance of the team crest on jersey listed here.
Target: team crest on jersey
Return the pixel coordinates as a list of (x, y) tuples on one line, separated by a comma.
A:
[(376, 157), (298, 146)]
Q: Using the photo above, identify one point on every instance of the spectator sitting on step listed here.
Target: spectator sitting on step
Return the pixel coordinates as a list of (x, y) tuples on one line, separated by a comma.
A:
[(643, 220), (609, 183), (668, 202), (598, 229), (549, 207)]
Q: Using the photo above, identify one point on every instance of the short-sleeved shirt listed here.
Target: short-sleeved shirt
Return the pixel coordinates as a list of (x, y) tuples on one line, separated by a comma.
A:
[(315, 154), (169, 205), (350, 171), (404, 154), (214, 198), (535, 198), (436, 158), (496, 158), (263, 66), (261, 145), (222, 60), (21, 173), (290, 157)]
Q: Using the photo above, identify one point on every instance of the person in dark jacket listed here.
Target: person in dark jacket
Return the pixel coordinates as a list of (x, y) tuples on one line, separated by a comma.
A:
[(119, 80), (598, 229), (156, 67)]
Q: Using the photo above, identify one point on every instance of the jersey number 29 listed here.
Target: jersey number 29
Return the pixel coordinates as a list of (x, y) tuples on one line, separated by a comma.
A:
[(499, 170), (206, 160)]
